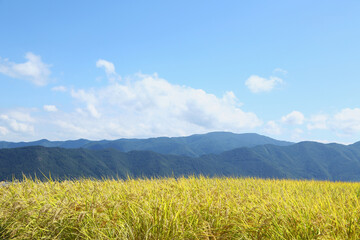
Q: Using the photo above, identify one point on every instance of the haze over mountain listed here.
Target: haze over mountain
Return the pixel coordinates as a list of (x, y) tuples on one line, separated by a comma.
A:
[(194, 145), (304, 160)]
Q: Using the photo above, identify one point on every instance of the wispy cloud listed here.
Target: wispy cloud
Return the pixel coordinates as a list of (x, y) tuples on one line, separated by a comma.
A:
[(280, 70), (50, 108), (59, 89), (272, 128), (296, 134), (347, 121), (3, 130), (33, 70), (319, 121), (16, 125), (109, 69), (258, 84)]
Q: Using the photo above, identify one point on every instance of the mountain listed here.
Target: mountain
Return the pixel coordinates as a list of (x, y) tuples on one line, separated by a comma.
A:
[(46, 143), (75, 163), (193, 146), (305, 160)]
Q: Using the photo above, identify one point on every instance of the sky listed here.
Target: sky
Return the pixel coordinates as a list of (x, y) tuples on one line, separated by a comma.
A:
[(137, 69)]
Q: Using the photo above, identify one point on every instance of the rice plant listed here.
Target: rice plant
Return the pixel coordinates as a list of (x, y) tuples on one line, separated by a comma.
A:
[(182, 208)]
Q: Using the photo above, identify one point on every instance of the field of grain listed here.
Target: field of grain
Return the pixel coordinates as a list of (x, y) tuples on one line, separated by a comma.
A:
[(183, 208)]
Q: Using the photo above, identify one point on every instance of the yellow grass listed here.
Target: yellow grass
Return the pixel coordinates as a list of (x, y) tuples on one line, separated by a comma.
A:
[(184, 208)]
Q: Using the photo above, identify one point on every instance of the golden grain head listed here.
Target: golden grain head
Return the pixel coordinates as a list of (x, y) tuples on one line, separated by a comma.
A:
[(182, 208)]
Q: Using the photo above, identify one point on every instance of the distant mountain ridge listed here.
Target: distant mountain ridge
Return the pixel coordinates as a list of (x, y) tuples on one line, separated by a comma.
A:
[(194, 145), (304, 160)]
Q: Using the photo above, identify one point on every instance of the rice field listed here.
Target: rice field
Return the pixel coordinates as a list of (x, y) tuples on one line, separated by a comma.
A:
[(183, 208)]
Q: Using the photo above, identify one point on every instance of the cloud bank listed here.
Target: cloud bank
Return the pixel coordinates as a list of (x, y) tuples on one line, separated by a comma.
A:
[(147, 105)]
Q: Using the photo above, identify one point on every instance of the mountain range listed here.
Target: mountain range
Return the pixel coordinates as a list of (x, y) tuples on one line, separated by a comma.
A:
[(195, 145), (213, 154)]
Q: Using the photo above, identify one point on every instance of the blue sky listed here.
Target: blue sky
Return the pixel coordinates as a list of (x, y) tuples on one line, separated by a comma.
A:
[(123, 69)]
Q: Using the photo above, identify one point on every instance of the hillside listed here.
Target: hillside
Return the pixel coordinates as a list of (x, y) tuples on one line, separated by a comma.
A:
[(75, 163), (305, 160), (195, 145)]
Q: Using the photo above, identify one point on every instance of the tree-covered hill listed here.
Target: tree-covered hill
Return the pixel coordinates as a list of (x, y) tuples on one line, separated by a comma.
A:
[(305, 160)]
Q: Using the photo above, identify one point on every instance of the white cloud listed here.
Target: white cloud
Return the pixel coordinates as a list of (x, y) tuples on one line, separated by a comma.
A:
[(4, 117), (85, 96), (293, 118), (90, 98), (151, 106), (21, 127), (109, 69), (108, 66), (33, 70), (59, 89), (3, 130), (50, 108), (20, 115), (258, 84), (319, 121), (71, 127), (15, 124), (93, 111), (272, 128), (347, 121)]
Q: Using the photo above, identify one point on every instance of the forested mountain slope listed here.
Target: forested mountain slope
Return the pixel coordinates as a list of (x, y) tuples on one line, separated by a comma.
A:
[(305, 160)]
